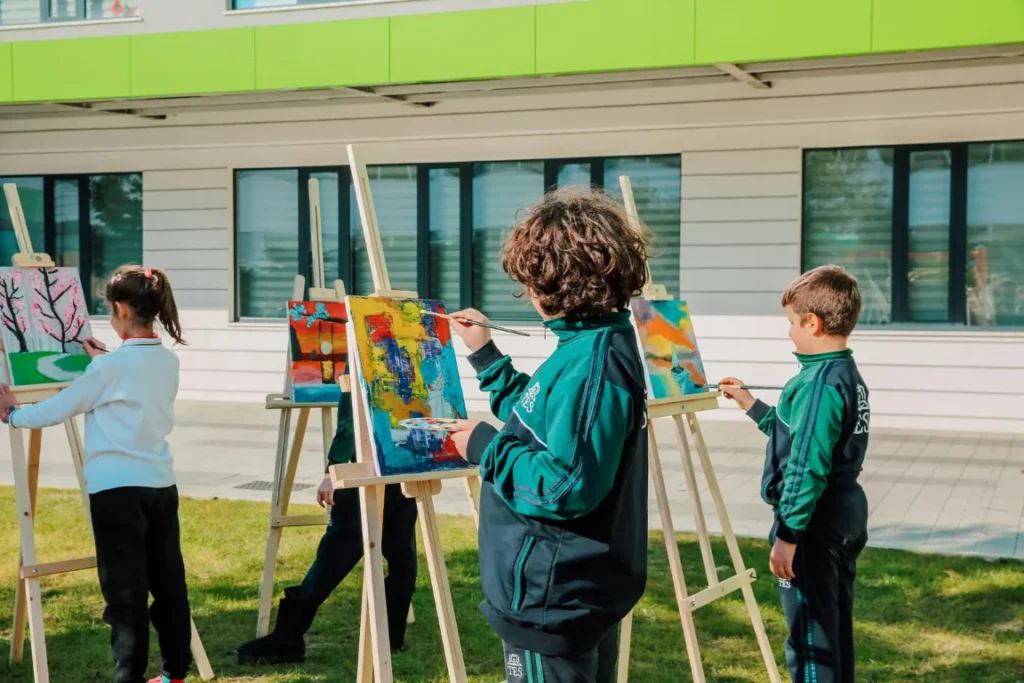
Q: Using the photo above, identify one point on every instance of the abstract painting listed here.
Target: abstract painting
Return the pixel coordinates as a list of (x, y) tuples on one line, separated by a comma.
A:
[(44, 322), (674, 367), (407, 369), (319, 350)]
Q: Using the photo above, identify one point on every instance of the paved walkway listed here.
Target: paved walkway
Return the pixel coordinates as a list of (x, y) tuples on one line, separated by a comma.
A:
[(943, 492)]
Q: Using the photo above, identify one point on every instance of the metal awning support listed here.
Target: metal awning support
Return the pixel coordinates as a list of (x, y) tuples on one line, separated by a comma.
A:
[(743, 77)]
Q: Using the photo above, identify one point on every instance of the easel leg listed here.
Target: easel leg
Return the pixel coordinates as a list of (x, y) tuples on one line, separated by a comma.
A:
[(35, 441), (734, 550), (439, 579), (472, 485), (24, 497), (695, 504), (375, 636), (278, 496), (625, 641), (199, 655), (674, 563), (364, 667)]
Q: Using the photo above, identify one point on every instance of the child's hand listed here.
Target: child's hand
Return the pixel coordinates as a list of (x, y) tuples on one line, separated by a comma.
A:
[(7, 401), (730, 388), (325, 494), (94, 347), (474, 336), (460, 436), (781, 559)]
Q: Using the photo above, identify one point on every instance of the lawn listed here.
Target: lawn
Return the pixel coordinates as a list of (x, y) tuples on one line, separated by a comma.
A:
[(919, 617)]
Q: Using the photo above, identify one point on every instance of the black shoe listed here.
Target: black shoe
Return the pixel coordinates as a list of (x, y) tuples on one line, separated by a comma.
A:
[(285, 645)]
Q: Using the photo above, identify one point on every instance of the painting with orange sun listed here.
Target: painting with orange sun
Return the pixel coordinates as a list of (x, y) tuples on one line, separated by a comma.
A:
[(669, 346), (318, 349)]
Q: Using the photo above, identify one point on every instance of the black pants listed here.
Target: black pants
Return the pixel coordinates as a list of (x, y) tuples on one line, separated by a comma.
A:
[(595, 666), (342, 547), (138, 552), (819, 610)]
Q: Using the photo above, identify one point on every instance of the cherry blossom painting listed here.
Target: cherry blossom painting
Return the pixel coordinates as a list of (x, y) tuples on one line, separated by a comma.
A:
[(43, 322)]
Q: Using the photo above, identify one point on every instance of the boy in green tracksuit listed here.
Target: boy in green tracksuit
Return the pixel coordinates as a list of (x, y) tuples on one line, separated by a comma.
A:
[(563, 509), (817, 439)]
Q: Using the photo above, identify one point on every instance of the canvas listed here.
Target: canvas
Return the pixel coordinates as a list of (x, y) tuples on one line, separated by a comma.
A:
[(407, 369), (318, 348), (669, 346), (44, 322)]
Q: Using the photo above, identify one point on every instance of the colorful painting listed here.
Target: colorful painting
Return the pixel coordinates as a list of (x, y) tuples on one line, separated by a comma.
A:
[(319, 350), (44, 322), (674, 367), (407, 370)]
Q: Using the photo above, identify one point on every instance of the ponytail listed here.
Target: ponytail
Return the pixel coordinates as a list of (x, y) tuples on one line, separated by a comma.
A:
[(147, 291)]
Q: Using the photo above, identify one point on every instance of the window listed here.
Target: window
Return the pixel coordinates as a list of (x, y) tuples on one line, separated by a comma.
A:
[(39, 11), (260, 4), (93, 223), (273, 233), (442, 226), (934, 233)]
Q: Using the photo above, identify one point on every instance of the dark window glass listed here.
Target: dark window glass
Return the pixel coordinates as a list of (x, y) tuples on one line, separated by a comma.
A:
[(501, 191), (267, 249), (445, 220), (657, 190)]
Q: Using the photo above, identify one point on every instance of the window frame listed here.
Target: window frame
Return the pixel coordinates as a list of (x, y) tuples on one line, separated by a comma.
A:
[(900, 251), (346, 252)]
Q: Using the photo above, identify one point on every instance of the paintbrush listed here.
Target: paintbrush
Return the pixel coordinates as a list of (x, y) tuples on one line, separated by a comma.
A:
[(467, 321), (748, 387)]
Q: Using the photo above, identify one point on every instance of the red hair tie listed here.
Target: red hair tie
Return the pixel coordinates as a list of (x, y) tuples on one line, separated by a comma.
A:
[(149, 274)]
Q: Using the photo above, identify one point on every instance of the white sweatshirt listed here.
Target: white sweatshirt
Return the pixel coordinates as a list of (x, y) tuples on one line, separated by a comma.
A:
[(127, 396)]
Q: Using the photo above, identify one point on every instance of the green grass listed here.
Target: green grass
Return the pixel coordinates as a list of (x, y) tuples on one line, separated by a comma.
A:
[(918, 617)]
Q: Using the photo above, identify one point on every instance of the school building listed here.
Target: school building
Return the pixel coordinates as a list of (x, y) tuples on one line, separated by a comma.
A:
[(762, 137)]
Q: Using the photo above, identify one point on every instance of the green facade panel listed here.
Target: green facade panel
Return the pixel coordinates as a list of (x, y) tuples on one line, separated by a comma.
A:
[(322, 55), (573, 37), (928, 24), (193, 63), (6, 87), (607, 35), (761, 30), (453, 46), (82, 68)]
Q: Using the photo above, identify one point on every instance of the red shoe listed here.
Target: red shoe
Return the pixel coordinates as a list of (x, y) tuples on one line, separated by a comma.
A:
[(165, 679)]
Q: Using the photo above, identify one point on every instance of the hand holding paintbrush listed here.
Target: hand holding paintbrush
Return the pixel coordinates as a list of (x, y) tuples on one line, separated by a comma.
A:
[(473, 326)]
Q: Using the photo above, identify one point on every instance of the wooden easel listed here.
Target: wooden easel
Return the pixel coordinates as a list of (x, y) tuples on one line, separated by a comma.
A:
[(676, 408), (28, 595), (374, 640), (287, 459)]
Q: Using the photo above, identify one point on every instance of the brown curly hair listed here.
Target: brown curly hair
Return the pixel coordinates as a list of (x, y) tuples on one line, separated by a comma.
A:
[(578, 254)]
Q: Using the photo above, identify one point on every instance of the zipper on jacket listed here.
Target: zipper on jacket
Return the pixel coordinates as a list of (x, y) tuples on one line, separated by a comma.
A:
[(519, 578)]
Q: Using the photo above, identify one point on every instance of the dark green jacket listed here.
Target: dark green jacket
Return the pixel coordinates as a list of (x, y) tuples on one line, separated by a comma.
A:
[(343, 447), (818, 437), (563, 510)]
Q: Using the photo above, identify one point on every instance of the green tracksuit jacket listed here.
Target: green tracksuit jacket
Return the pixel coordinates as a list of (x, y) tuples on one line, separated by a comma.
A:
[(817, 440)]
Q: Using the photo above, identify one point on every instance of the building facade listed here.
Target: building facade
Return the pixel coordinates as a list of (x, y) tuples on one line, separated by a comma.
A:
[(762, 137)]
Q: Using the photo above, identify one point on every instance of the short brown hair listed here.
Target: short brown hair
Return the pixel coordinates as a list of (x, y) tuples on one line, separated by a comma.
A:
[(147, 291), (578, 254), (830, 293)]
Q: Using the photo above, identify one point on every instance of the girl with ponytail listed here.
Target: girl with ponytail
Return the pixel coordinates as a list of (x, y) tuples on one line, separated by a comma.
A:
[(127, 396)]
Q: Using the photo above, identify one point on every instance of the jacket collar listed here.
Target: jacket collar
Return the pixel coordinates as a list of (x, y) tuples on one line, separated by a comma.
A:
[(566, 329), (810, 359)]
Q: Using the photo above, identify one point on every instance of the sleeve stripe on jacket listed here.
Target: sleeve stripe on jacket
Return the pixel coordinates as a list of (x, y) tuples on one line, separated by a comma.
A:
[(798, 466), (592, 390)]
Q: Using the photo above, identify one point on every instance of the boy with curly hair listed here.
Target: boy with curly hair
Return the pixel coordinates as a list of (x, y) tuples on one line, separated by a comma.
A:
[(563, 509)]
